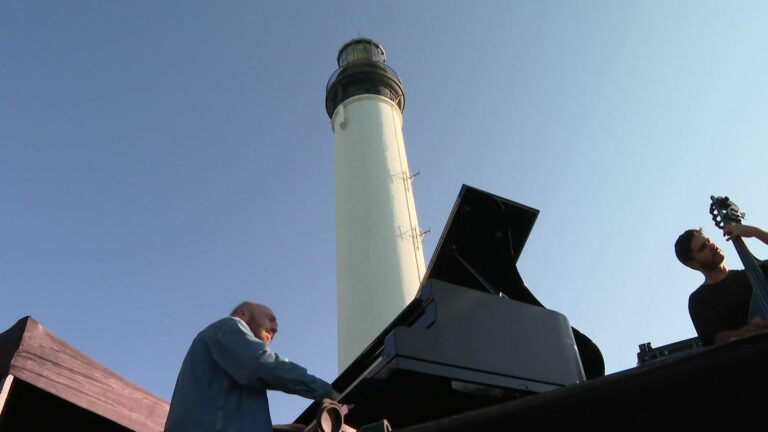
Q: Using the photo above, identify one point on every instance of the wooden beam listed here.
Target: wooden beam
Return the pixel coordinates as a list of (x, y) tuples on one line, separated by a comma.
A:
[(5, 389)]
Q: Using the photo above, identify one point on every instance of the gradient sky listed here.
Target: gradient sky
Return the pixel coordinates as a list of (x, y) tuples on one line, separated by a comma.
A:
[(162, 161)]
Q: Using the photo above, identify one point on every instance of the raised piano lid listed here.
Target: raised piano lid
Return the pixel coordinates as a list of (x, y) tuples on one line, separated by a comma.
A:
[(479, 248), (481, 243)]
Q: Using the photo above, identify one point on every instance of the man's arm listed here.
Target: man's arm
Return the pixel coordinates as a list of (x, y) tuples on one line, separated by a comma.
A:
[(757, 325), (739, 230), (282, 374), (249, 362)]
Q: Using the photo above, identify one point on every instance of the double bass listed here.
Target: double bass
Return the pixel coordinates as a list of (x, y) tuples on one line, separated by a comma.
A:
[(724, 212)]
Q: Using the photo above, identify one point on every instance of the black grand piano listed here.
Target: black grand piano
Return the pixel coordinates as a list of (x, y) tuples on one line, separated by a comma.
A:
[(474, 335)]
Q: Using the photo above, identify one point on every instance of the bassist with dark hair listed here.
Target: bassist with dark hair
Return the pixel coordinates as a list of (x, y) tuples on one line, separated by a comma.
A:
[(725, 306)]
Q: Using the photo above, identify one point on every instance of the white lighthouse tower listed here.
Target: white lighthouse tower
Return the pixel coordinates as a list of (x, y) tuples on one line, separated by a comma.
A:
[(379, 257)]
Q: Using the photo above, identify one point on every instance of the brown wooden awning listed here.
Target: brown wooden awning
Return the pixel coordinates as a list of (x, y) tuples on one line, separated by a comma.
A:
[(35, 362)]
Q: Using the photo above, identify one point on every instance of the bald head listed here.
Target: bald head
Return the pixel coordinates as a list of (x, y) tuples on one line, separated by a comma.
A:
[(259, 318)]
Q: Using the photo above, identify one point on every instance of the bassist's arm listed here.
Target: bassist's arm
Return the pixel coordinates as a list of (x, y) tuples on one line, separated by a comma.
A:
[(755, 326), (739, 230)]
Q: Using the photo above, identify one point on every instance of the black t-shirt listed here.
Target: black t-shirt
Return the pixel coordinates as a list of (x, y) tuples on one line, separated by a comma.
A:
[(722, 305)]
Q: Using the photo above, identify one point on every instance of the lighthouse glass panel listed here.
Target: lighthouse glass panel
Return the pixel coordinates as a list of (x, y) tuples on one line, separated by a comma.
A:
[(362, 52)]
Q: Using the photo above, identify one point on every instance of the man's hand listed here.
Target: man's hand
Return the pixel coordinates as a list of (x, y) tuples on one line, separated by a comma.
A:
[(757, 325), (740, 230)]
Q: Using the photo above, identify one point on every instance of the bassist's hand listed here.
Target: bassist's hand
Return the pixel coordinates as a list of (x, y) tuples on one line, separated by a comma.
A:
[(756, 325), (739, 230)]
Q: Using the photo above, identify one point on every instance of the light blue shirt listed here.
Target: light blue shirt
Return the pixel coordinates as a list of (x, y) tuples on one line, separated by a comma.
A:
[(223, 382)]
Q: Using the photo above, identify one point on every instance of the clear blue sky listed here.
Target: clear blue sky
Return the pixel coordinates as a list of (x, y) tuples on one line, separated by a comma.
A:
[(162, 161)]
